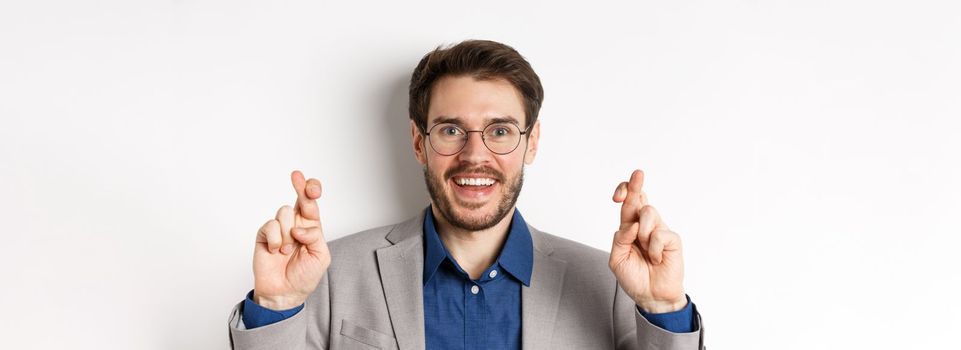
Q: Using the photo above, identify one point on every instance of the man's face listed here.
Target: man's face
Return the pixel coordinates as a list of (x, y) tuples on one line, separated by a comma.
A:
[(473, 105)]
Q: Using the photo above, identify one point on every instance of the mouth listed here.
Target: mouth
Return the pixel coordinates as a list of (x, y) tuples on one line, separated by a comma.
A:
[(474, 181), (474, 188)]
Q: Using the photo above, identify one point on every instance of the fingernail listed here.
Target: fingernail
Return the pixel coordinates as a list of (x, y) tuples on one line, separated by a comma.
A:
[(287, 249)]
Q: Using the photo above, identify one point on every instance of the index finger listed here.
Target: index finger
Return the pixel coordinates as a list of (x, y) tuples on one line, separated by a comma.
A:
[(634, 199)]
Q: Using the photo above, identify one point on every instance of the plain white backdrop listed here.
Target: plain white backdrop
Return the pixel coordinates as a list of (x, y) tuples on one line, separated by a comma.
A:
[(806, 151)]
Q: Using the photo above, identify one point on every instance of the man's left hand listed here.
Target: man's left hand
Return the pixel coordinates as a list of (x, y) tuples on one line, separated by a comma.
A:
[(646, 256)]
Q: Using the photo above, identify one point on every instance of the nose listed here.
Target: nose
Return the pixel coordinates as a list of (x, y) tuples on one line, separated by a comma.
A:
[(474, 151)]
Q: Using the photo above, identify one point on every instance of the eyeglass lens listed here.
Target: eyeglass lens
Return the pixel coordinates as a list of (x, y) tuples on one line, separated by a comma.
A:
[(449, 138)]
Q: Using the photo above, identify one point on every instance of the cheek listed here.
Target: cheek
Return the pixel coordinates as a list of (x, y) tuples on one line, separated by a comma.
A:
[(512, 162), (421, 153), (437, 165)]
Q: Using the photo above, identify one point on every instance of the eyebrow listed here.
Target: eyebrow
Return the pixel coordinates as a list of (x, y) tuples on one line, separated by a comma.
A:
[(459, 121)]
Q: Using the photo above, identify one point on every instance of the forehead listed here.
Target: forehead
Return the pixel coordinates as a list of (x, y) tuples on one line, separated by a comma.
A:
[(472, 102)]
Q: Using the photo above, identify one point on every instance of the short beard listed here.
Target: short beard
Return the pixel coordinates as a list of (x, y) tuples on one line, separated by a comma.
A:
[(435, 188)]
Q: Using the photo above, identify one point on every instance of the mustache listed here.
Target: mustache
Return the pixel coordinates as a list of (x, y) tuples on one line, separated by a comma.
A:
[(466, 169)]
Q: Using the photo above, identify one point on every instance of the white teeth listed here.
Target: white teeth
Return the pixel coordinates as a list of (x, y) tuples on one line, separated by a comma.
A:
[(475, 181)]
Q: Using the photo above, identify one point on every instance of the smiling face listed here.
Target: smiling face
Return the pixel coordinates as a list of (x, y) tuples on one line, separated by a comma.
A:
[(475, 188)]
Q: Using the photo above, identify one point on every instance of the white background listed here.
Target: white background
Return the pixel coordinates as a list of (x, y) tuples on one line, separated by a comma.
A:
[(806, 151)]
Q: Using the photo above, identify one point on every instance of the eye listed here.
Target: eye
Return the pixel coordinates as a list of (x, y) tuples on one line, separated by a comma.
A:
[(501, 131), (450, 130)]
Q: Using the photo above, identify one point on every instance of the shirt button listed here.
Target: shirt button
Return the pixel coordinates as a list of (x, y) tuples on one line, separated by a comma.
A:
[(474, 289), (493, 273)]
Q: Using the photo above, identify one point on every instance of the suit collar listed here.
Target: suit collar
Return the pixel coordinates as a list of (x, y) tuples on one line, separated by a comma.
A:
[(542, 242), (405, 230)]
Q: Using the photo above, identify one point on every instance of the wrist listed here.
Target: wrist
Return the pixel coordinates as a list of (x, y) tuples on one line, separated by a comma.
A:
[(662, 306), (278, 302)]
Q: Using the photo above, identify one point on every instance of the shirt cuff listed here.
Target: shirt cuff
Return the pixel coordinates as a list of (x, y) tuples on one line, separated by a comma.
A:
[(257, 316), (680, 321)]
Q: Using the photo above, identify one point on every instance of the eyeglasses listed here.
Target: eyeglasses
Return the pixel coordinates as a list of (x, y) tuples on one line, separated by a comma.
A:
[(501, 138)]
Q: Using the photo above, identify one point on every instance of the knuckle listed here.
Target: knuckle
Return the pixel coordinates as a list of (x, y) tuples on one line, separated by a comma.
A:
[(273, 239), (648, 211), (264, 227), (272, 225), (285, 215), (656, 238), (676, 238)]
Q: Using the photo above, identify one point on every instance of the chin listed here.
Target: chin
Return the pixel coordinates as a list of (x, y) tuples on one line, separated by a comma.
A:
[(485, 215), (473, 208)]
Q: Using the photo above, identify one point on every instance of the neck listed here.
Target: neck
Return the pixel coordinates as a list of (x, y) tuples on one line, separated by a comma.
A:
[(474, 251)]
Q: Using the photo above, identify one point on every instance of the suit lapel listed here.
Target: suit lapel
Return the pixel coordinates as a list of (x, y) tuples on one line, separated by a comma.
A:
[(401, 273), (539, 301)]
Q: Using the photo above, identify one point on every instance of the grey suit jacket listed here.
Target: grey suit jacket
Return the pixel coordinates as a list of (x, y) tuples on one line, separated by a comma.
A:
[(372, 298)]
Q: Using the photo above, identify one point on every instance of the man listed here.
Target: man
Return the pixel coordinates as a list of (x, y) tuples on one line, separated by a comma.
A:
[(468, 272)]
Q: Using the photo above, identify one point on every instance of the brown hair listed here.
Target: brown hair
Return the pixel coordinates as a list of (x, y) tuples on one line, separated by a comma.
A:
[(482, 60)]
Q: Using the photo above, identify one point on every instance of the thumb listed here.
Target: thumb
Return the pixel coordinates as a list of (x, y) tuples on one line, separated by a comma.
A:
[(312, 238)]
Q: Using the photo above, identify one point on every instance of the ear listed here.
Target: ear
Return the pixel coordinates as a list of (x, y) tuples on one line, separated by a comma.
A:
[(418, 140), (532, 138)]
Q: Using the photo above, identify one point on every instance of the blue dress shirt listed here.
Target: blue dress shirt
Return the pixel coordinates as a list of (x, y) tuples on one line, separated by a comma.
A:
[(460, 313)]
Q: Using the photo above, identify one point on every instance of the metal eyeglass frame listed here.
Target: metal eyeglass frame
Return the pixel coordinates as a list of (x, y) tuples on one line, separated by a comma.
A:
[(483, 140)]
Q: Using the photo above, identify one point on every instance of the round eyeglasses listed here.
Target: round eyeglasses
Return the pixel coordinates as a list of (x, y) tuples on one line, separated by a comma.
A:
[(501, 138)]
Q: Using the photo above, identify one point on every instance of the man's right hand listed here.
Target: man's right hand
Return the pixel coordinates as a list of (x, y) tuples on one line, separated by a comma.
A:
[(291, 256)]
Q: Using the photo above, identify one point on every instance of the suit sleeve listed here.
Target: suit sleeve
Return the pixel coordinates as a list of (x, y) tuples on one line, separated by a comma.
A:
[(254, 315), (634, 332), (307, 329), (680, 321)]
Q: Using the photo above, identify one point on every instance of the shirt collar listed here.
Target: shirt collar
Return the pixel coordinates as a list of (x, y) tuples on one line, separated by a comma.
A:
[(516, 257)]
